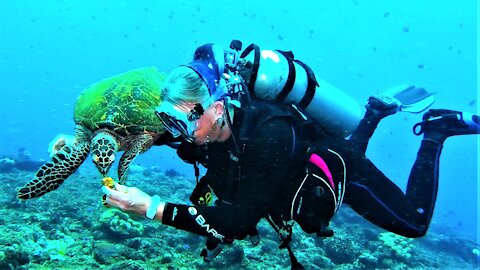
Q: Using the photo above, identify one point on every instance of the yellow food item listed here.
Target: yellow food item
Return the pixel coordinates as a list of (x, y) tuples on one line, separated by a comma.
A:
[(108, 182)]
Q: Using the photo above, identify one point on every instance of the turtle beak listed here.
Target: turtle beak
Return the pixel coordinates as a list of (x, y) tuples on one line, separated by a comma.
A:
[(103, 163)]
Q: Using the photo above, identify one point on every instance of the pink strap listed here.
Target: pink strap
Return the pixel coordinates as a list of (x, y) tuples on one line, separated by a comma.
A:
[(320, 163)]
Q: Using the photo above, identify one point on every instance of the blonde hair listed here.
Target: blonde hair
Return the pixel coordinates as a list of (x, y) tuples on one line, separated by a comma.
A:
[(184, 86)]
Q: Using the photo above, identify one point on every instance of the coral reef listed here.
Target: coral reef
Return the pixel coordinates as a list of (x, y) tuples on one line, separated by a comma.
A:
[(116, 225), (21, 162), (7, 165), (172, 173), (401, 246), (68, 229)]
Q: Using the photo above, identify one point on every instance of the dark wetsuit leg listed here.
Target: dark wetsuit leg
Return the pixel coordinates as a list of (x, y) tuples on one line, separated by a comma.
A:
[(370, 193), (423, 180), (362, 134)]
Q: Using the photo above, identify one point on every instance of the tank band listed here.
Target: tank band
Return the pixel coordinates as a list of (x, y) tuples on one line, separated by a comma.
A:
[(256, 64), (287, 88), (311, 86)]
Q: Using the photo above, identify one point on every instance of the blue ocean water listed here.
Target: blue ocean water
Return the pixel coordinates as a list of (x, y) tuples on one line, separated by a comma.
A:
[(51, 50)]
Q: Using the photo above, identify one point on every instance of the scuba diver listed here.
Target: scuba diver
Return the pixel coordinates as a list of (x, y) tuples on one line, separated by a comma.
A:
[(267, 160)]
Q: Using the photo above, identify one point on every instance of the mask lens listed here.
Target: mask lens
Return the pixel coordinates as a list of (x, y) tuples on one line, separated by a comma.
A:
[(173, 125), (195, 113)]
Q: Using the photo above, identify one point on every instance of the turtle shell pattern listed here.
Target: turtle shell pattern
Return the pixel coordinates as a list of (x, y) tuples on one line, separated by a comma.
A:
[(124, 103)]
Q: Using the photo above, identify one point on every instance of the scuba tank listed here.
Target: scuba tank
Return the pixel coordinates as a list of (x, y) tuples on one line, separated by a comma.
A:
[(276, 76)]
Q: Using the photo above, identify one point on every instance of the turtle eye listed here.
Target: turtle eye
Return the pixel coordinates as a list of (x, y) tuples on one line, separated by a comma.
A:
[(111, 158), (96, 158)]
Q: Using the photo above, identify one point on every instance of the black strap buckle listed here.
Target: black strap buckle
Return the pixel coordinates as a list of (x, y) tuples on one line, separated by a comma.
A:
[(285, 234)]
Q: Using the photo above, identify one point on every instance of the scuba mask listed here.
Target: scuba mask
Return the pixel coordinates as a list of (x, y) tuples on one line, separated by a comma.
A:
[(178, 123)]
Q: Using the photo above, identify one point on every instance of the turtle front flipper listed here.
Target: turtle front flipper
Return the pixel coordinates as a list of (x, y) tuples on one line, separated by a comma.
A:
[(139, 145), (53, 173)]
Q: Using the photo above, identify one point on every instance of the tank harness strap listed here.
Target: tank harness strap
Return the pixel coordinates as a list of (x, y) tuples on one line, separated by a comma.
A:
[(284, 232), (245, 127), (312, 84), (291, 76), (246, 118), (256, 64), (197, 171)]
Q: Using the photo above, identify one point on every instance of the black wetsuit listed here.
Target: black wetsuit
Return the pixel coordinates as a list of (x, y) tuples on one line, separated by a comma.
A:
[(257, 174)]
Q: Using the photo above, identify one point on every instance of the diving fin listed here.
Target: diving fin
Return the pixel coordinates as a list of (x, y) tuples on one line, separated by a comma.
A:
[(407, 98)]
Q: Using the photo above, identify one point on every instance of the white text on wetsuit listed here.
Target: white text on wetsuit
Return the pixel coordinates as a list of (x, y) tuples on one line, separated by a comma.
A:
[(201, 221)]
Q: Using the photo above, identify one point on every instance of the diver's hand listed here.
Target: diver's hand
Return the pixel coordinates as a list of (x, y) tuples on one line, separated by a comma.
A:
[(127, 199)]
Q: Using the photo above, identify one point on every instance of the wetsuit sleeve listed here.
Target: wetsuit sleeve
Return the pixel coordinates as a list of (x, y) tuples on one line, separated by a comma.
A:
[(222, 221), (264, 167)]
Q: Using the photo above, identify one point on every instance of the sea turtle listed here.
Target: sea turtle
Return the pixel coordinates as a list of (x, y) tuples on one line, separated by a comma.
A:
[(115, 114)]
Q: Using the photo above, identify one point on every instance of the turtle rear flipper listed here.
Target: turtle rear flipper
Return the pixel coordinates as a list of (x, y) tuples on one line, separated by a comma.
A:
[(137, 146), (58, 142), (53, 173)]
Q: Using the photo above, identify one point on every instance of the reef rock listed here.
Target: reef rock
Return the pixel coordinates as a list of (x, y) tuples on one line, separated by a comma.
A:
[(116, 225)]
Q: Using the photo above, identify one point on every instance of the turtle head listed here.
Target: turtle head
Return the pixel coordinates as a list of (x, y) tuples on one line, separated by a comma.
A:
[(103, 147)]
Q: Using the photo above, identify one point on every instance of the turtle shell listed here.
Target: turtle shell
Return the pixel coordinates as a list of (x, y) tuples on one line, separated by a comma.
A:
[(124, 103)]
